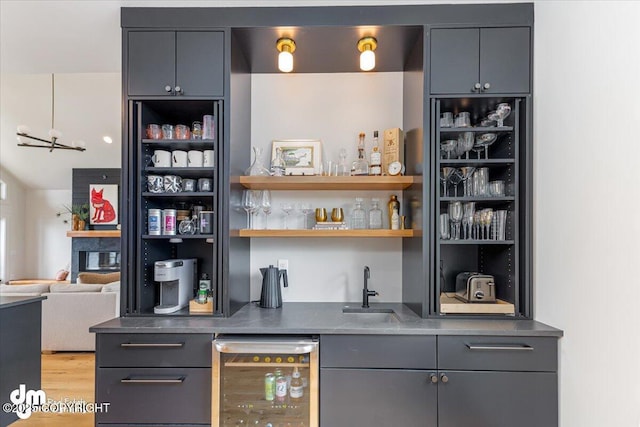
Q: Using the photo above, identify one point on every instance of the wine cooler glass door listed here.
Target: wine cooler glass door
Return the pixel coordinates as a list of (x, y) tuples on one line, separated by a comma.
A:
[(265, 382)]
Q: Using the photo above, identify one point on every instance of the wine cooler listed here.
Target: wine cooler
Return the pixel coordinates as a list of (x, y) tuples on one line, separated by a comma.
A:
[(265, 382)]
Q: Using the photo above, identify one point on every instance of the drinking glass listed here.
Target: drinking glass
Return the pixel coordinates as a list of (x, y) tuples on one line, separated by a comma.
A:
[(503, 110), (248, 204), (455, 179), (446, 120), (255, 208), (485, 140), (337, 215), (306, 209), (321, 214), (496, 188), (500, 225), (266, 206), (469, 210), (463, 120), (343, 169), (480, 181), (444, 177), (455, 214), (287, 208), (447, 147), (444, 227), (467, 183)]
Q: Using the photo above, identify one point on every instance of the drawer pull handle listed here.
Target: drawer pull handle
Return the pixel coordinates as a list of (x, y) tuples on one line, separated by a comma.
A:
[(130, 380), (151, 345), (515, 347)]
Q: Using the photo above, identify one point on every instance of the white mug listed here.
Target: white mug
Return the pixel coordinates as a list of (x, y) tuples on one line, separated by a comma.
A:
[(161, 159), (208, 159), (194, 159), (179, 159)]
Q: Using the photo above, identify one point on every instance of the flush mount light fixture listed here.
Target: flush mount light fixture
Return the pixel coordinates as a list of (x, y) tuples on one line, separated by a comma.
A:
[(24, 133), (286, 47), (107, 139), (366, 47)]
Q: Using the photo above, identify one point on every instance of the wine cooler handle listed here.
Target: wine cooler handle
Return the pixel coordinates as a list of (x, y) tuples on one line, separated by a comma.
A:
[(130, 380), (265, 346), (151, 345), (505, 347)]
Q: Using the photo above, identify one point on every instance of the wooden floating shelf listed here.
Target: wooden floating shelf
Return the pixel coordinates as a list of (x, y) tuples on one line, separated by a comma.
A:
[(449, 304), (325, 182), (325, 233), (94, 233)]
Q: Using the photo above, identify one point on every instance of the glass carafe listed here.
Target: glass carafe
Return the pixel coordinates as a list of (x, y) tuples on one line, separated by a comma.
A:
[(257, 167), (358, 216)]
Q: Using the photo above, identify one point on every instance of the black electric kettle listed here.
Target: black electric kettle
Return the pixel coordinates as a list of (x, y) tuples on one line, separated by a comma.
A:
[(271, 296)]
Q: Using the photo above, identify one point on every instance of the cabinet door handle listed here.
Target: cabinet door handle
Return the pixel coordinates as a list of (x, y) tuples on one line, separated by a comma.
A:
[(167, 88), (476, 87), (486, 86), (174, 380), (501, 347), (433, 378), (179, 90), (444, 378), (151, 344)]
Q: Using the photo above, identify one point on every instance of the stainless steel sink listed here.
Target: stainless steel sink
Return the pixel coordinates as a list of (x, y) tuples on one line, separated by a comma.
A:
[(374, 314)]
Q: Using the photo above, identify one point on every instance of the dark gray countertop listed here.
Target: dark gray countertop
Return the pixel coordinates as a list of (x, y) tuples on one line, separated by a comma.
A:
[(6, 302), (325, 318)]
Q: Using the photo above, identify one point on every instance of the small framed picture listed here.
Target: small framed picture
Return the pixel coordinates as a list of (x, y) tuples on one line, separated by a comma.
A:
[(301, 156)]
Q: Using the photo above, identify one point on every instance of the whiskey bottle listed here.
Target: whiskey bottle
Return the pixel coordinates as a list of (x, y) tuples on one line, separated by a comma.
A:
[(393, 204), (360, 166), (375, 157)]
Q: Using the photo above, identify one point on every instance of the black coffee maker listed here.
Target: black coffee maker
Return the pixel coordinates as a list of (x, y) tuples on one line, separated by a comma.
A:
[(271, 295)]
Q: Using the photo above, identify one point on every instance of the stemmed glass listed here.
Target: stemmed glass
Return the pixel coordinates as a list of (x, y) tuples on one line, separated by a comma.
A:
[(249, 203), (465, 143), (466, 172), (286, 208), (469, 210), (266, 206), (455, 179), (444, 177), (477, 216), (486, 215), (455, 215), (257, 205), (502, 111), (306, 209), (449, 146), (484, 141)]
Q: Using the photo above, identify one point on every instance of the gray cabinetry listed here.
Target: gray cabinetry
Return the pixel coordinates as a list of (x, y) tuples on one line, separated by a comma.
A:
[(154, 378), (166, 63), (480, 60)]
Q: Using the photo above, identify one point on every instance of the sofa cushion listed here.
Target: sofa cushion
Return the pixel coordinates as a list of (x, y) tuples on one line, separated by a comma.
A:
[(35, 288), (111, 287), (98, 278), (60, 288)]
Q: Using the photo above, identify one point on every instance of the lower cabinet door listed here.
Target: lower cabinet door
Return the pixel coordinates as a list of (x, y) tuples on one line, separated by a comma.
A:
[(154, 395), (497, 399), (377, 397)]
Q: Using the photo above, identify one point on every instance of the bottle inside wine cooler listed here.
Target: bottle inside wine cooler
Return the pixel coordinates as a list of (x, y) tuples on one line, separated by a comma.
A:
[(296, 390)]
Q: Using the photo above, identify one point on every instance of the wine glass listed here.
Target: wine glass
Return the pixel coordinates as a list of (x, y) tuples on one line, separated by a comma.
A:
[(255, 209), (484, 141), (444, 177), (476, 224), (248, 204), (306, 209), (466, 172), (265, 203), (503, 110), (448, 146), (286, 208), (455, 179), (469, 209), (455, 215), (486, 216), (465, 143)]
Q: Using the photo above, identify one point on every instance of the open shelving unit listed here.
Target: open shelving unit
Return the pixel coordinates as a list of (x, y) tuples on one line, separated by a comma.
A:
[(318, 182), (325, 233)]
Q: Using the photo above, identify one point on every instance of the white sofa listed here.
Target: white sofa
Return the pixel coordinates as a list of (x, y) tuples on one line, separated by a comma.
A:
[(69, 311)]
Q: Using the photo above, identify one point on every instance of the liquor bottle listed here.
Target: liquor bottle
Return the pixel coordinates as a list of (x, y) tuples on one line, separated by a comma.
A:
[(358, 220), (395, 220), (393, 204), (375, 157), (296, 390), (360, 166), (375, 215)]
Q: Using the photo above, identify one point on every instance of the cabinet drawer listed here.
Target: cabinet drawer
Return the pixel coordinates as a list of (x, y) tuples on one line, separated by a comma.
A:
[(484, 353), (154, 395), (378, 351), (153, 350)]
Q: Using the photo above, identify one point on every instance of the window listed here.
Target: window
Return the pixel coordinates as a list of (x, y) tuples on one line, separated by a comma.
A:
[(3, 190), (3, 235)]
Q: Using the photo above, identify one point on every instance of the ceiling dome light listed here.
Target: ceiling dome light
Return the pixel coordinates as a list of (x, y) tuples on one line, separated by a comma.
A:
[(286, 47), (367, 46), (107, 139)]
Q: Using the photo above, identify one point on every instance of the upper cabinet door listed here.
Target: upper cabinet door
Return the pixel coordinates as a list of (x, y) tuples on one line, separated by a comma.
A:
[(480, 60), (151, 67), (505, 59), (200, 63), (455, 60)]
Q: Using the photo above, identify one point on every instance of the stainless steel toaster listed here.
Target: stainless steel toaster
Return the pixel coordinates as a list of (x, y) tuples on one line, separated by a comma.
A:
[(475, 287)]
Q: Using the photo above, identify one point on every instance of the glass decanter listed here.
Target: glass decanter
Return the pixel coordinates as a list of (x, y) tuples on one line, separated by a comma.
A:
[(257, 167)]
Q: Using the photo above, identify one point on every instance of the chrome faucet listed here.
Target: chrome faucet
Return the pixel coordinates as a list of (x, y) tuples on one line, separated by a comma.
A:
[(366, 293)]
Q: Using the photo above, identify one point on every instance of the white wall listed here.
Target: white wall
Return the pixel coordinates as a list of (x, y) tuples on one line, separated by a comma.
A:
[(587, 189), (334, 108), (12, 211), (48, 249)]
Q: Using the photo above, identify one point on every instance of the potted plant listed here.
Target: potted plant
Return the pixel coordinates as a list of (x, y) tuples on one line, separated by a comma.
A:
[(79, 215)]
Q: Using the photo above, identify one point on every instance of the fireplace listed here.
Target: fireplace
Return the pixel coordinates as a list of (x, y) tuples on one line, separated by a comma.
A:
[(95, 254)]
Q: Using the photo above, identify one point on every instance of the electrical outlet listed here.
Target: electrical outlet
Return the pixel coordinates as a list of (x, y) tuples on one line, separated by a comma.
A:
[(283, 264)]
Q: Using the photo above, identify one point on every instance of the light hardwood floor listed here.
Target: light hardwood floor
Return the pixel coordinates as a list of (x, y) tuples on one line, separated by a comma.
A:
[(65, 376)]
